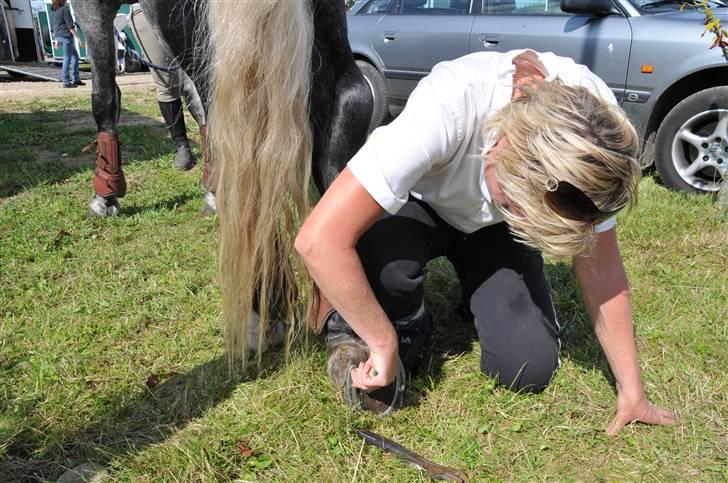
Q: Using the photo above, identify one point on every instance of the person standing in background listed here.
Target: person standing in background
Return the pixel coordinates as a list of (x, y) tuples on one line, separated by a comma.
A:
[(64, 31), (172, 84)]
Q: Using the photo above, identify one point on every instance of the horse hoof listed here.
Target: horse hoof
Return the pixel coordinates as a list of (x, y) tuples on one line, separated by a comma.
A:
[(345, 351), (100, 207), (275, 334), (210, 206)]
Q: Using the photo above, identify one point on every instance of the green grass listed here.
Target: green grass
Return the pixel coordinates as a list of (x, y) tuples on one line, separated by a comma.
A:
[(111, 345)]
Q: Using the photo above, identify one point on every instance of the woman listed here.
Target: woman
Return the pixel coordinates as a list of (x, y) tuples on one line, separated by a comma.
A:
[(495, 158), (64, 32)]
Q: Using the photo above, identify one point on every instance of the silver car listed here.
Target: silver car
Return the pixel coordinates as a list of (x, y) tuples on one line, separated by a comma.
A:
[(652, 55)]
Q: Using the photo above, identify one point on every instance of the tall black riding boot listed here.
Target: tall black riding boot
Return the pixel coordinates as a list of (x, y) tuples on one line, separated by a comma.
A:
[(175, 119)]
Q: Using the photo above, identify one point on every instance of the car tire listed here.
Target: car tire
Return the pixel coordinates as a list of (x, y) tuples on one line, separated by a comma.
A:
[(378, 85), (132, 64), (692, 142)]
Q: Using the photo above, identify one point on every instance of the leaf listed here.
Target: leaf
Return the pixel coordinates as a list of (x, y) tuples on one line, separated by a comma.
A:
[(152, 381), (260, 462), (543, 447), (484, 428), (251, 427), (245, 450), (516, 427), (332, 440)]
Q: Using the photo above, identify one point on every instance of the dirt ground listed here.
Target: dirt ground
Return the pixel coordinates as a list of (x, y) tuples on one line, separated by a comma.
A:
[(14, 89)]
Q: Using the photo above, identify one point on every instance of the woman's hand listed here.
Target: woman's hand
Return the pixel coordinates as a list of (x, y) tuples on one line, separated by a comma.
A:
[(638, 408), (378, 371)]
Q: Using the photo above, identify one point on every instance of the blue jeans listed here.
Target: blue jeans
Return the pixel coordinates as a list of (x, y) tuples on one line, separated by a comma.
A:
[(70, 61)]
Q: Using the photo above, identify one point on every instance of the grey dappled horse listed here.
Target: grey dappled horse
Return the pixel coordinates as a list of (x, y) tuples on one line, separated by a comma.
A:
[(182, 25)]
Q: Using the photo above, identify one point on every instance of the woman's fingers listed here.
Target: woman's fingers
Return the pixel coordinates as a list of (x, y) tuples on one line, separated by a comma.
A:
[(616, 425), (648, 415), (658, 416), (361, 376), (367, 377)]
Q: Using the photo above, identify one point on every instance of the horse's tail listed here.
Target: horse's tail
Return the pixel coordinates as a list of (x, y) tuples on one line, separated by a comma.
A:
[(261, 136)]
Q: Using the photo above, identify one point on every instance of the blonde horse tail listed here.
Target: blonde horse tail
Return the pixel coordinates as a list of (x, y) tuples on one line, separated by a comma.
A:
[(261, 136)]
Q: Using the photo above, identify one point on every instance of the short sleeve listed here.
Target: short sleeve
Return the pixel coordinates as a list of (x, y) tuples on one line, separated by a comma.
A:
[(607, 224), (68, 18), (425, 134)]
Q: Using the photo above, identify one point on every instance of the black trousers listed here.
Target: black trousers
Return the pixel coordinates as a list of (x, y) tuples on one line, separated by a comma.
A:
[(502, 280)]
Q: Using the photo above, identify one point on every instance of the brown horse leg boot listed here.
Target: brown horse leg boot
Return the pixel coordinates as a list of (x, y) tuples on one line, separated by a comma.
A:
[(209, 175), (345, 351), (109, 182)]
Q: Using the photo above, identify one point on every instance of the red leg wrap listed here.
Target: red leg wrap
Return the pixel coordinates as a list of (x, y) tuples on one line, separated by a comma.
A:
[(209, 175), (109, 178)]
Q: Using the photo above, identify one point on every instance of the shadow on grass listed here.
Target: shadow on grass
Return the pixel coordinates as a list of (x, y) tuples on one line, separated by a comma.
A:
[(454, 333), (167, 205), (578, 341), (44, 147), (158, 411)]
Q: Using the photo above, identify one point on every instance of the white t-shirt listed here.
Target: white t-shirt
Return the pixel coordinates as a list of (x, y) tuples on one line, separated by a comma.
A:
[(433, 149)]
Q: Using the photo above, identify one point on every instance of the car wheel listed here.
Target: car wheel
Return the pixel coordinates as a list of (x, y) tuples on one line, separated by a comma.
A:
[(132, 64), (378, 85), (692, 142)]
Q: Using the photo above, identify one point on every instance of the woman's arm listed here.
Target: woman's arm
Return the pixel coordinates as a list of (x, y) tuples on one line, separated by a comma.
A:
[(71, 26), (603, 283), (327, 242)]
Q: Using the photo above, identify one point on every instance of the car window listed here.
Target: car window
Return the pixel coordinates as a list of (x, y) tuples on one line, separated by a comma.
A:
[(376, 7), (523, 7), (434, 7)]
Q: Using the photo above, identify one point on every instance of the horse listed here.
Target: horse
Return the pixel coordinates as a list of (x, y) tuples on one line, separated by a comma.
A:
[(287, 104)]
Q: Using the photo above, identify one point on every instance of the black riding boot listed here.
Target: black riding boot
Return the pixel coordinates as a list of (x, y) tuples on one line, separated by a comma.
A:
[(175, 119)]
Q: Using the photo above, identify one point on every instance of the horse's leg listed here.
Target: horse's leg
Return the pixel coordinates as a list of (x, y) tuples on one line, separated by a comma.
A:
[(341, 101), (181, 26), (96, 18)]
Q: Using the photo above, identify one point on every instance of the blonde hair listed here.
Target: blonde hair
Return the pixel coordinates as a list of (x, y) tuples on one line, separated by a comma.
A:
[(260, 135), (566, 133)]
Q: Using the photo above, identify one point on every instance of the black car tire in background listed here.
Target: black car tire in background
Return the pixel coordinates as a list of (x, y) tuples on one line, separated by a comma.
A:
[(378, 85), (132, 64), (692, 133)]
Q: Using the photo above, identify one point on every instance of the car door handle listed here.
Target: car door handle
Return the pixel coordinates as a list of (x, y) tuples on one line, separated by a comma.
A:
[(490, 40), (389, 36)]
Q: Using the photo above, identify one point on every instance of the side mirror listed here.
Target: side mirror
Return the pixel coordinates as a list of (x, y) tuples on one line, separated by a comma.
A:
[(588, 7)]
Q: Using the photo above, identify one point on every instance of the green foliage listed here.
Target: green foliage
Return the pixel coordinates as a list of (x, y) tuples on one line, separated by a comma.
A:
[(712, 25)]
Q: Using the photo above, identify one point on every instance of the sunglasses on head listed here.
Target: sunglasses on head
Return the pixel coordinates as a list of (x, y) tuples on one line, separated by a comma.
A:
[(572, 203)]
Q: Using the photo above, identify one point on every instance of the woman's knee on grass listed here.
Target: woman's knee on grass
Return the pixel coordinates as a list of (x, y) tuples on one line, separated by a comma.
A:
[(518, 338), (521, 372)]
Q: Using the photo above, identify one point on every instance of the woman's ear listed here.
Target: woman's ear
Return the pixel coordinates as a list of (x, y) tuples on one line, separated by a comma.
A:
[(529, 70)]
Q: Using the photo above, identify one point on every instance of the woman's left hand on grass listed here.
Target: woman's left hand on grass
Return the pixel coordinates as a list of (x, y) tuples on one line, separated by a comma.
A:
[(638, 409)]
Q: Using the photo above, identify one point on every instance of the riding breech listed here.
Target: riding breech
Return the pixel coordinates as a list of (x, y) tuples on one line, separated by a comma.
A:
[(172, 85), (502, 280)]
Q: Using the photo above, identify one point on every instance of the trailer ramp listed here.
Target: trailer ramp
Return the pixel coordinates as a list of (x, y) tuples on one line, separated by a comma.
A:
[(36, 70)]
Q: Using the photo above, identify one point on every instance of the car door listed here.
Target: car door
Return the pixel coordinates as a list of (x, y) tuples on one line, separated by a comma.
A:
[(600, 43), (417, 34)]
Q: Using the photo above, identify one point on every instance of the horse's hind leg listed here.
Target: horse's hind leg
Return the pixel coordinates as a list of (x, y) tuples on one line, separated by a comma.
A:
[(96, 18), (341, 100)]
